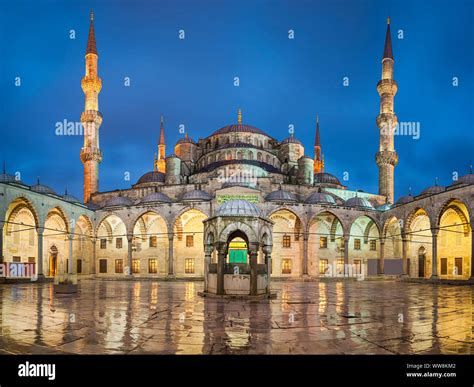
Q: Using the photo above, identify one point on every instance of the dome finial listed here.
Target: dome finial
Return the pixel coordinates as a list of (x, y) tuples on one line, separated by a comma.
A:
[(470, 169), (239, 116), (436, 181), (4, 168), (92, 15), (409, 191)]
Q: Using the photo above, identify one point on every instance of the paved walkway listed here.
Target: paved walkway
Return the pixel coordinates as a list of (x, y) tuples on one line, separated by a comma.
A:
[(107, 317)]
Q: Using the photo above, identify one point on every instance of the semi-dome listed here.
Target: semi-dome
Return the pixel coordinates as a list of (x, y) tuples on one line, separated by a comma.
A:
[(41, 188), (196, 195), (358, 202), (320, 198), (238, 207), (326, 178), (156, 197), (405, 199), (152, 177), (434, 189), (239, 128), (118, 201), (281, 195)]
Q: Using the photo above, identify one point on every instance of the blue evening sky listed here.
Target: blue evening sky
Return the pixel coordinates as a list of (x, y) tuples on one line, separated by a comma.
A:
[(282, 82)]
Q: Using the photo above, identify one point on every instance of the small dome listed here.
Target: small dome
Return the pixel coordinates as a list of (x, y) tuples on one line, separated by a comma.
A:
[(41, 188), (156, 197), (434, 189), (405, 199), (291, 140), (466, 179), (238, 207), (196, 195), (118, 201), (384, 207), (70, 198), (326, 178), (186, 140), (281, 195), (245, 184), (7, 178), (92, 206), (152, 177), (320, 198), (358, 202)]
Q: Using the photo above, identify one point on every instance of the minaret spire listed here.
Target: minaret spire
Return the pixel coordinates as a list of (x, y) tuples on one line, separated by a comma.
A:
[(91, 118), (91, 45), (387, 157), (160, 164), (318, 159)]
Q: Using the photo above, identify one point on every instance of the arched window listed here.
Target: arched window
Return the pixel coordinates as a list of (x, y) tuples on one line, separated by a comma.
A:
[(259, 156)]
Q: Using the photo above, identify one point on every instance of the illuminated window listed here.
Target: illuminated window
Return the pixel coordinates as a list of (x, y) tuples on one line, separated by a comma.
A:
[(102, 266), (323, 265), (16, 259), (103, 243), (189, 240), (286, 241), (153, 241), (152, 266), (286, 266), (189, 265), (79, 266), (135, 266), (444, 266), (356, 244), (458, 266), (323, 242), (340, 266), (119, 266), (118, 243), (373, 245), (31, 259)]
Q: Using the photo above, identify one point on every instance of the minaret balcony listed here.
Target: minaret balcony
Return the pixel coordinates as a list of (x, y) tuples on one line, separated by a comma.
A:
[(91, 84), (92, 116), (384, 118), (386, 157), (387, 86), (91, 154)]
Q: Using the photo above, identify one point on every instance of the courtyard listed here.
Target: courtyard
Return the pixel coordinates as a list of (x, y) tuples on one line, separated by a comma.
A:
[(169, 317)]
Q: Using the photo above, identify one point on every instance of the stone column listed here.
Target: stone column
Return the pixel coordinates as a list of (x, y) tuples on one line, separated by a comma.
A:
[(305, 253), (346, 255), (170, 254), (1, 241), (268, 261), (94, 255), (434, 254), (130, 240), (39, 269), (253, 271), (220, 270), (207, 261), (69, 262), (404, 256), (472, 252), (381, 260)]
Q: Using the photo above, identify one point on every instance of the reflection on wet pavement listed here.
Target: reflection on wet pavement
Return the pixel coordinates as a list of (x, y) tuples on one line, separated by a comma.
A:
[(107, 317)]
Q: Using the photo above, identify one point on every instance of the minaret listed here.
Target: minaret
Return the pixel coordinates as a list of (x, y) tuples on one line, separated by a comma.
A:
[(91, 118), (160, 163), (386, 157), (318, 159)]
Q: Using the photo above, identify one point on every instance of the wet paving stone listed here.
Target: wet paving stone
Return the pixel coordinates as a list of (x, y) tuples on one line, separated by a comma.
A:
[(124, 317)]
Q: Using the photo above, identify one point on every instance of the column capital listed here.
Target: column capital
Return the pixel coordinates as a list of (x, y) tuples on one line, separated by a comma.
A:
[(434, 231), (170, 236)]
